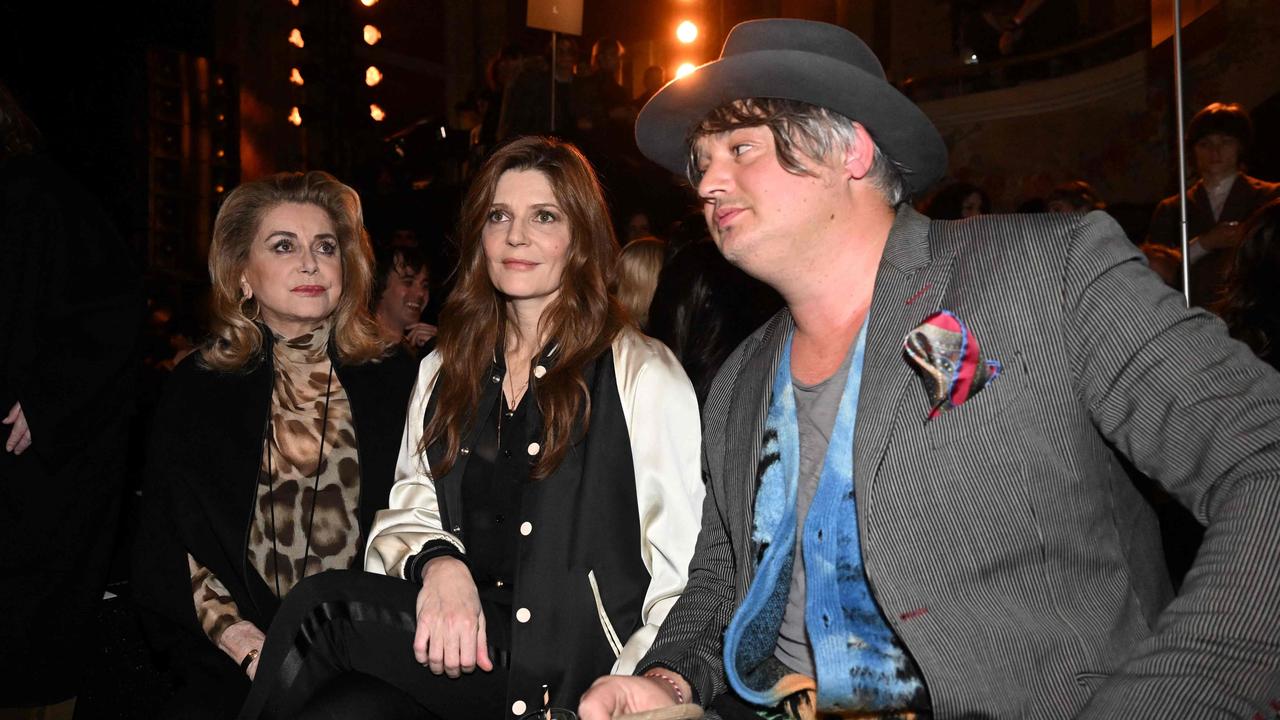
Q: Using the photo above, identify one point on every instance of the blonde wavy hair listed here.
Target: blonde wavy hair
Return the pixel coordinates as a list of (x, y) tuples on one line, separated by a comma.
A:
[(236, 337), (639, 265)]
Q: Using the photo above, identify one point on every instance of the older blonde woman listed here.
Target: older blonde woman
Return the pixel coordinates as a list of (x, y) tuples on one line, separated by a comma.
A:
[(275, 444)]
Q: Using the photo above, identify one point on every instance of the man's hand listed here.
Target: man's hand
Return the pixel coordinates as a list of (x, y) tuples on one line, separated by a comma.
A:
[(1165, 262), (1223, 235), (614, 695), (20, 435), (450, 638), (418, 334)]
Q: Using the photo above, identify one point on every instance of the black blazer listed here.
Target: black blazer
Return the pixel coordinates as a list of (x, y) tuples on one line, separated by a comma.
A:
[(202, 469), (1208, 276)]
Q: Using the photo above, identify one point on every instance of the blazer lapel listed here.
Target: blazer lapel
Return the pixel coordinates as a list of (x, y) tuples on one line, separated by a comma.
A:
[(1240, 201), (1199, 210), (744, 430), (909, 285)]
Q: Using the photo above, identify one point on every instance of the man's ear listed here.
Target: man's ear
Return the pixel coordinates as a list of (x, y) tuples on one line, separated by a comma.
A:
[(859, 154)]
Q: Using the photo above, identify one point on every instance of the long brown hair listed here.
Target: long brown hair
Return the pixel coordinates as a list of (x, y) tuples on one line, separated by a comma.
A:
[(582, 320), (236, 337)]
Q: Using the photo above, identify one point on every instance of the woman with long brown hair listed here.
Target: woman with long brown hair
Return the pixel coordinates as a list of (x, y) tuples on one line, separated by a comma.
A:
[(274, 444), (548, 489)]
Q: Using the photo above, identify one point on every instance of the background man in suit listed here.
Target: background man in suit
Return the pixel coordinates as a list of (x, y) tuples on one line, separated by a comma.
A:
[(973, 549), (1219, 137)]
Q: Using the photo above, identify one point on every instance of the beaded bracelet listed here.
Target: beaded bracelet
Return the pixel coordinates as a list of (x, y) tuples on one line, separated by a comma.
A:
[(672, 683)]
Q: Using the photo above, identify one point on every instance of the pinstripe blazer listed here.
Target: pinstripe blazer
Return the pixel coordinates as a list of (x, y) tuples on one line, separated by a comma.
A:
[(1002, 540)]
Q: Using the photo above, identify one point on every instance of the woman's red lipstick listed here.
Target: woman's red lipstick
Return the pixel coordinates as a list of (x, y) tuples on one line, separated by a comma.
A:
[(309, 290)]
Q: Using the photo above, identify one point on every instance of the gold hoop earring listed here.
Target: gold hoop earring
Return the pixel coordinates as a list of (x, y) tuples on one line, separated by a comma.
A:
[(257, 309)]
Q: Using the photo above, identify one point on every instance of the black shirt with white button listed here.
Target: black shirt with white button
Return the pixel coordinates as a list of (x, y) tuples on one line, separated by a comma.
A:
[(567, 547), (497, 469)]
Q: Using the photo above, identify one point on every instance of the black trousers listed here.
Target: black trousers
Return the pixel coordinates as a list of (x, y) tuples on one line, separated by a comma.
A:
[(339, 622)]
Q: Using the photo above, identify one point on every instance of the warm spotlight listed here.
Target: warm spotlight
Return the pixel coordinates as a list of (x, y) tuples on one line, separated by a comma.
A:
[(295, 38), (371, 35), (372, 76), (368, 3), (687, 32), (295, 77), (684, 69), (295, 116), (295, 3), (376, 113)]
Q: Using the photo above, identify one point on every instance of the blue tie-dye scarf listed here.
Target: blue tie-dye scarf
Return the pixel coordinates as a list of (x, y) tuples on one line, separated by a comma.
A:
[(860, 664)]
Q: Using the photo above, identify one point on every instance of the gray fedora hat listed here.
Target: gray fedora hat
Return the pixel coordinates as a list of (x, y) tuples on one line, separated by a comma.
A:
[(803, 60)]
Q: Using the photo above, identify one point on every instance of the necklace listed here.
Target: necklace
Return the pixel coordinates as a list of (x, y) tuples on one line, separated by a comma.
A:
[(315, 489), (508, 407), (516, 393)]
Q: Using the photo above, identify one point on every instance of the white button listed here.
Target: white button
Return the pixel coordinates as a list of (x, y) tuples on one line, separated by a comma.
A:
[(539, 371), (523, 615), (518, 707), (526, 528), (534, 448)]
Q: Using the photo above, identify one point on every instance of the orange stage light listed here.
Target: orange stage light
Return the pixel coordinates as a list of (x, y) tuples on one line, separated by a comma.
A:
[(686, 32)]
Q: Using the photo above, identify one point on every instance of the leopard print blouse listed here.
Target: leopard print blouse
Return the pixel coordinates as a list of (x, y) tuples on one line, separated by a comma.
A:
[(278, 535)]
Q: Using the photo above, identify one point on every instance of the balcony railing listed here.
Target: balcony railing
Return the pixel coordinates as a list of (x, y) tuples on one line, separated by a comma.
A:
[(1104, 47)]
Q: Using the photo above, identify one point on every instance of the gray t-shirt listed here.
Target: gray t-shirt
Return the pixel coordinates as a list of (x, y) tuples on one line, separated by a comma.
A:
[(816, 408)]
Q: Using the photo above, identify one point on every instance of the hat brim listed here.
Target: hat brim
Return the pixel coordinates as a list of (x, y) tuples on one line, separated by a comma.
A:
[(899, 127)]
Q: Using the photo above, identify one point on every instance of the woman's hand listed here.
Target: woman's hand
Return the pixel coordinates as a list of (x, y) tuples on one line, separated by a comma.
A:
[(238, 640), (418, 334), (20, 435), (450, 638)]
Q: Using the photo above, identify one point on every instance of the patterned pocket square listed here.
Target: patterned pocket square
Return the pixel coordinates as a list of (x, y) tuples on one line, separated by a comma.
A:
[(945, 353)]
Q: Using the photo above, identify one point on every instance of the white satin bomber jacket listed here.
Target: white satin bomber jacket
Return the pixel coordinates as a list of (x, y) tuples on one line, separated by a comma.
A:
[(617, 562)]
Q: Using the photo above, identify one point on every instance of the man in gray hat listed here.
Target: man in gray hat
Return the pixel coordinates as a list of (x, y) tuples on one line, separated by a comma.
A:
[(915, 502)]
